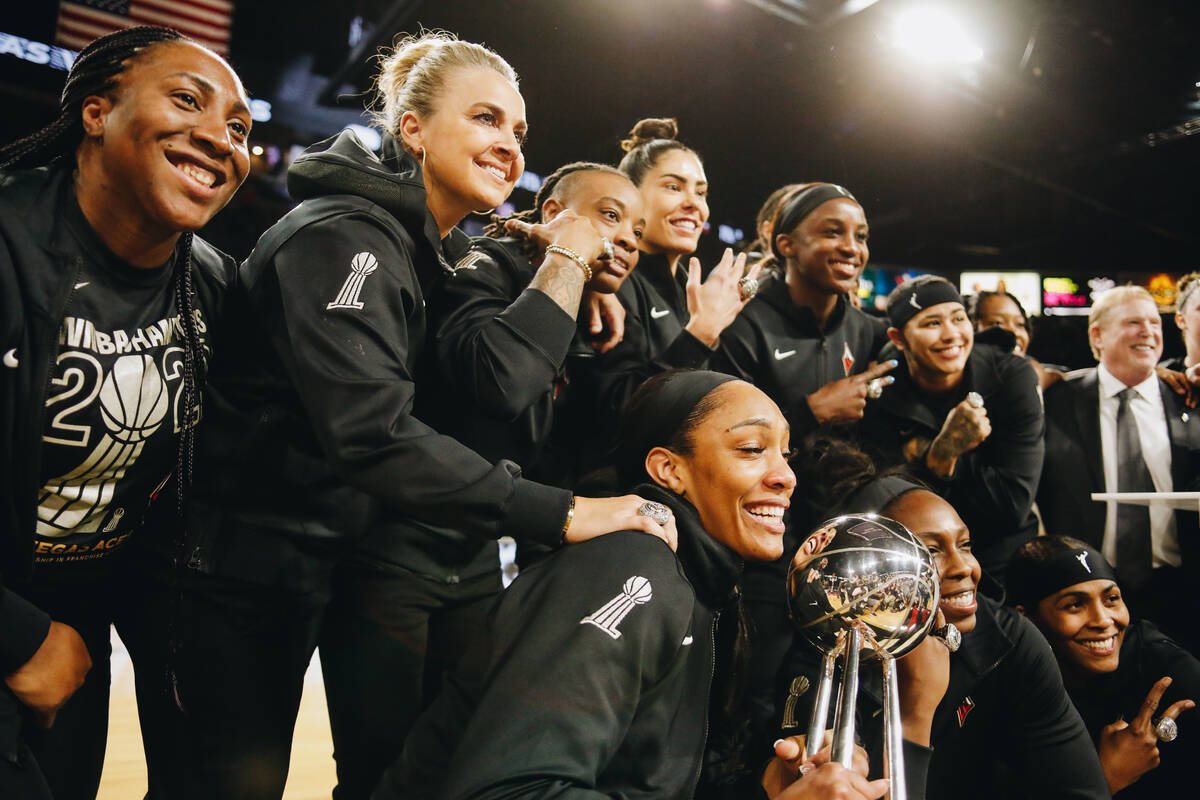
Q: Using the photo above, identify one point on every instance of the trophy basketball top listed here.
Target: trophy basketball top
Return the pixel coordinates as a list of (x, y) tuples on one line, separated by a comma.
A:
[(865, 571)]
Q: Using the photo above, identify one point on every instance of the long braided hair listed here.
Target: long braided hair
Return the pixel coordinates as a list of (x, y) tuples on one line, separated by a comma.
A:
[(95, 72), (549, 188)]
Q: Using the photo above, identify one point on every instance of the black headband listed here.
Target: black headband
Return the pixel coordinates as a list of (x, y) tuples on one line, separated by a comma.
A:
[(1031, 582), (802, 203), (912, 297), (876, 495), (676, 396)]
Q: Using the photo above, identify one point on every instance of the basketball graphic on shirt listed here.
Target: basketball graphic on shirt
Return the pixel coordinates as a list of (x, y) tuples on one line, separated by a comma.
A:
[(133, 399)]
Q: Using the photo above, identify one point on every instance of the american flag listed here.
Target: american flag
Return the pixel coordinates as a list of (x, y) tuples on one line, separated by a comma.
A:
[(206, 21)]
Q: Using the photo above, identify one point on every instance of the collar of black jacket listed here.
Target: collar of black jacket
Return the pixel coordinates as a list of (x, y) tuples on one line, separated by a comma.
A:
[(655, 269), (982, 374), (711, 567), (987, 644), (342, 164), (775, 292)]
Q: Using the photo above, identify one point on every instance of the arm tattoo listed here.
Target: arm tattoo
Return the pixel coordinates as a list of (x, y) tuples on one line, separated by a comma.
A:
[(560, 279)]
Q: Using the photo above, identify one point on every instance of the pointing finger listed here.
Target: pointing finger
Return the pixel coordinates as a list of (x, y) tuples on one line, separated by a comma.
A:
[(878, 370)]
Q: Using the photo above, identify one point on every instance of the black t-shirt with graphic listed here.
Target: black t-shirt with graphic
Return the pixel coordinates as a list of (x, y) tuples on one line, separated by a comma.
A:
[(113, 408)]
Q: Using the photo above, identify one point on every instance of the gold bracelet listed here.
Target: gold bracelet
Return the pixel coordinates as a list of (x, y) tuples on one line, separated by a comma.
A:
[(571, 254), (567, 524)]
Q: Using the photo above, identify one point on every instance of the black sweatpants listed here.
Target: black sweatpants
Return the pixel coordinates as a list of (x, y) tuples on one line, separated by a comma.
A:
[(65, 760), (243, 651)]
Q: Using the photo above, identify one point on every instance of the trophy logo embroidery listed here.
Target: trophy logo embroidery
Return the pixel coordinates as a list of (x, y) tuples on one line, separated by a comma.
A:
[(634, 592), (361, 266)]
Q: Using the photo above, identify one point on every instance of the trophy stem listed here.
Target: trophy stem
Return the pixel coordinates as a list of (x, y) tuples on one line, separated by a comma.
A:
[(893, 730), (843, 734), (820, 712)]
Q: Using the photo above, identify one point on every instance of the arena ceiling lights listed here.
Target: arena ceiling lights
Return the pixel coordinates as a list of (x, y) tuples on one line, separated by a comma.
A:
[(933, 35)]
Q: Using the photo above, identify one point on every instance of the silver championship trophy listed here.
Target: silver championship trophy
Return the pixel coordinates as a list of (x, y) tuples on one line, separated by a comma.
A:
[(862, 582)]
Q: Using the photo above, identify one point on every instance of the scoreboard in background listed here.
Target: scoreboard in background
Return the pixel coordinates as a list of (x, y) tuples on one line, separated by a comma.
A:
[(1025, 286)]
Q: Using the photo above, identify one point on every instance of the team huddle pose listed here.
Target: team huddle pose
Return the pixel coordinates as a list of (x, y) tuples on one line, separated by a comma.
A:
[(318, 450)]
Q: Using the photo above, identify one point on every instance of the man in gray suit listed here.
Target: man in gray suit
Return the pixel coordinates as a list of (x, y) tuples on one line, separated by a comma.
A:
[(1117, 427)]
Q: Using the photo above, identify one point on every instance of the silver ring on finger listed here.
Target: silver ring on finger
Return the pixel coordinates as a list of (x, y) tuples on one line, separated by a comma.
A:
[(949, 636), (748, 287), (1166, 730), (655, 511), (875, 388), (609, 253), (974, 399)]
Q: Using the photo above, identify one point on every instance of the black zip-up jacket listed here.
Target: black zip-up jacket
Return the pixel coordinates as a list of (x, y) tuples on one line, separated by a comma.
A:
[(1005, 727), (993, 486), (501, 354), (655, 341), (40, 261), (1147, 655), (600, 661), (313, 442), (780, 348)]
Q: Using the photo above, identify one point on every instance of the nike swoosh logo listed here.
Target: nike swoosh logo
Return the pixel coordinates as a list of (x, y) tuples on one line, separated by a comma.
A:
[(912, 301), (656, 314), (10, 358), (781, 356), (687, 640), (81, 285)]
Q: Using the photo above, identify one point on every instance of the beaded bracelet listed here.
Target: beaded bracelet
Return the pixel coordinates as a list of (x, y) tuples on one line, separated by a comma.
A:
[(567, 524), (571, 254)]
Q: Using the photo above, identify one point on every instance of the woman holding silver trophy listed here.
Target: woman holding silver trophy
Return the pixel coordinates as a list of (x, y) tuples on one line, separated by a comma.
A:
[(1004, 725), (602, 659)]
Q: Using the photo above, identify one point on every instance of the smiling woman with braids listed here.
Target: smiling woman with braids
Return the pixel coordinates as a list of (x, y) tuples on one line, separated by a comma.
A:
[(511, 359), (108, 300)]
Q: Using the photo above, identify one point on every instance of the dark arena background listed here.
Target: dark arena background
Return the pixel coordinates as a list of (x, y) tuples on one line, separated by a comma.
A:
[(1046, 145)]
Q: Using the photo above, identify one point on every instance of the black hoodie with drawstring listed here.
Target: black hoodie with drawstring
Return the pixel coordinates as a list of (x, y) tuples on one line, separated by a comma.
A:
[(311, 446)]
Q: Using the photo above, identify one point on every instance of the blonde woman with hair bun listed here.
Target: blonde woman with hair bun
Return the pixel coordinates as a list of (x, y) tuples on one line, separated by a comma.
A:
[(325, 510)]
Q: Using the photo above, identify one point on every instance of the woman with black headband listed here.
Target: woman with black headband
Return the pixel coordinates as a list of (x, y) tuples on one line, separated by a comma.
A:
[(1004, 726), (1118, 672), (965, 418), (601, 659), (109, 305), (813, 353), (673, 319)]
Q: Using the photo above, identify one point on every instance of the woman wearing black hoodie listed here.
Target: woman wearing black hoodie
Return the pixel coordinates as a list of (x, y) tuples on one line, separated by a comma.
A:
[(606, 686), (672, 318), (312, 456)]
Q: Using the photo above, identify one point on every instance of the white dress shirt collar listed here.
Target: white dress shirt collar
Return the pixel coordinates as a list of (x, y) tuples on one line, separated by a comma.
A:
[(1111, 386)]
